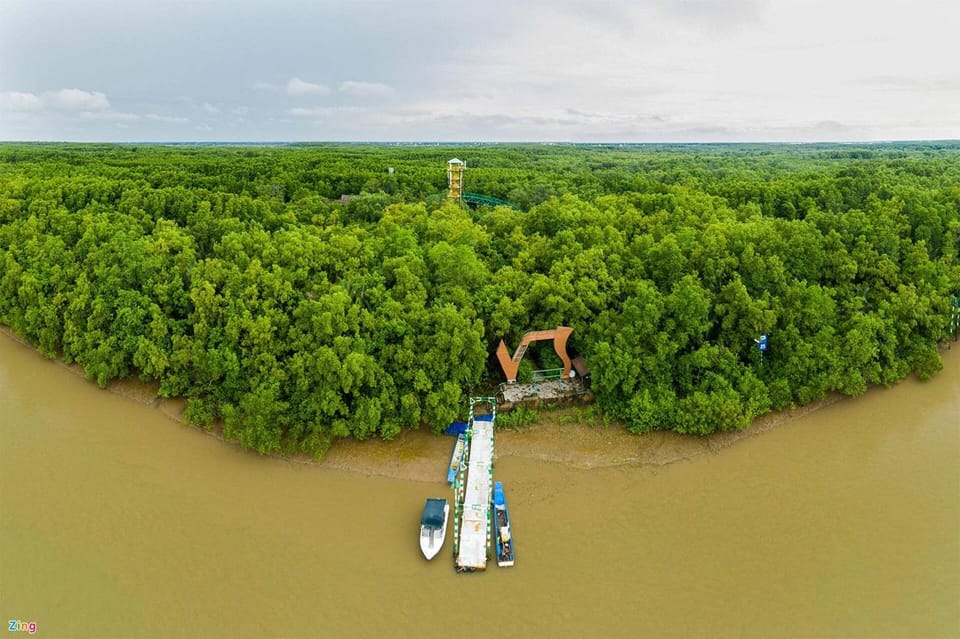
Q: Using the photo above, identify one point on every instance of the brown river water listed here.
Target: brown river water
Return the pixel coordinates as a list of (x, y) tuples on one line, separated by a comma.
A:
[(116, 521)]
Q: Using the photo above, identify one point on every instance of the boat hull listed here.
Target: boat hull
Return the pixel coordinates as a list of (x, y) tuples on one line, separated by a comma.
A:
[(432, 538), (501, 528), (456, 458)]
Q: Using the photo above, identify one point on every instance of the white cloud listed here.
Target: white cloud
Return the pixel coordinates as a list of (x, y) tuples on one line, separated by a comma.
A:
[(19, 101), (296, 86), (240, 110), (709, 68), (323, 112), (169, 119), (63, 99), (366, 89), (209, 108), (715, 13), (76, 100), (109, 116)]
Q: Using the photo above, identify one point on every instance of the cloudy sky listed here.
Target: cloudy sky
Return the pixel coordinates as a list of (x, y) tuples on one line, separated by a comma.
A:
[(490, 70)]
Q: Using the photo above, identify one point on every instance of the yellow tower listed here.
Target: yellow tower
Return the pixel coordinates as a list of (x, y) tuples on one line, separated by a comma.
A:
[(455, 170)]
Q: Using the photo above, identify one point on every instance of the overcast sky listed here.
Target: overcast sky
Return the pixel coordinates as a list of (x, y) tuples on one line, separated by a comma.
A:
[(490, 70)]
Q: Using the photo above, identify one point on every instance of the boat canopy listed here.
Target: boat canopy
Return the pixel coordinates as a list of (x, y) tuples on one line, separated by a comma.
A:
[(456, 428), (433, 513), (498, 498)]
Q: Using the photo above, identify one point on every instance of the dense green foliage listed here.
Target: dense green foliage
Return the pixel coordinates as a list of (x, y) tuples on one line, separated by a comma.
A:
[(234, 277)]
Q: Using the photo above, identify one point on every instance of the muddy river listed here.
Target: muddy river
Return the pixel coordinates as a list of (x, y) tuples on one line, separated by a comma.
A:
[(116, 521)]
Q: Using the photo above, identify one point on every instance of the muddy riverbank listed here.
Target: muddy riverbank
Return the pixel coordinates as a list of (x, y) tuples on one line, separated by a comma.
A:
[(566, 435)]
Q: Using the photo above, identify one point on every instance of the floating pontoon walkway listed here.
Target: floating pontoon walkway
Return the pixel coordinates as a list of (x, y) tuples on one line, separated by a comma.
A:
[(473, 495)]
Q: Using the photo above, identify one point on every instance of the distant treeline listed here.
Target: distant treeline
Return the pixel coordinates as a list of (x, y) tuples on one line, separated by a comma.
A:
[(235, 278)]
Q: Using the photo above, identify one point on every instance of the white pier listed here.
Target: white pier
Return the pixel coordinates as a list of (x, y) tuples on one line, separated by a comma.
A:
[(474, 495)]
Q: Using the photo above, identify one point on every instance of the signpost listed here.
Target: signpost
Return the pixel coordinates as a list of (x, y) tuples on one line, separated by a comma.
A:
[(761, 346)]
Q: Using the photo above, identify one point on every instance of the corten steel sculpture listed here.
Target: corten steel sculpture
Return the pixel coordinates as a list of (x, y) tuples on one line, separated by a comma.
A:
[(511, 365)]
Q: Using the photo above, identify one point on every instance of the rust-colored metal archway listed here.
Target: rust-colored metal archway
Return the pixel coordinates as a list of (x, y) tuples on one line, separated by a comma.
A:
[(511, 365)]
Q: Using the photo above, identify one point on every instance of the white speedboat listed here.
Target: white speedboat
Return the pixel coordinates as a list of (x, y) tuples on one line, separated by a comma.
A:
[(433, 526)]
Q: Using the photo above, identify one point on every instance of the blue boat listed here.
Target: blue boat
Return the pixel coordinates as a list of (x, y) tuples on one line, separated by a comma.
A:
[(459, 449), (501, 519)]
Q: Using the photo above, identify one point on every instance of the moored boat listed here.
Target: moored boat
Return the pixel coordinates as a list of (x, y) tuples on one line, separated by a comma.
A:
[(503, 534), (433, 526), (456, 458)]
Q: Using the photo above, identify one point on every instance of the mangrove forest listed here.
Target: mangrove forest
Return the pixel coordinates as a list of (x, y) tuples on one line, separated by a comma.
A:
[(299, 293)]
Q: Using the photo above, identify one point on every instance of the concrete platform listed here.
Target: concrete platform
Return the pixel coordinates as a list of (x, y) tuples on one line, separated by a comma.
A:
[(557, 390)]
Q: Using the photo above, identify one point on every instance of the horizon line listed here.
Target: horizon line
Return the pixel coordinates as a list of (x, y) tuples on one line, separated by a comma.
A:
[(492, 142)]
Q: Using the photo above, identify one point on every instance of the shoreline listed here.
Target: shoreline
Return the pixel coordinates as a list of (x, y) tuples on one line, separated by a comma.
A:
[(558, 436), (413, 455)]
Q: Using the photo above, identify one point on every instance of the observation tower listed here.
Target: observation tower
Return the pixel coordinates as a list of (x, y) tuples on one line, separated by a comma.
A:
[(455, 170)]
